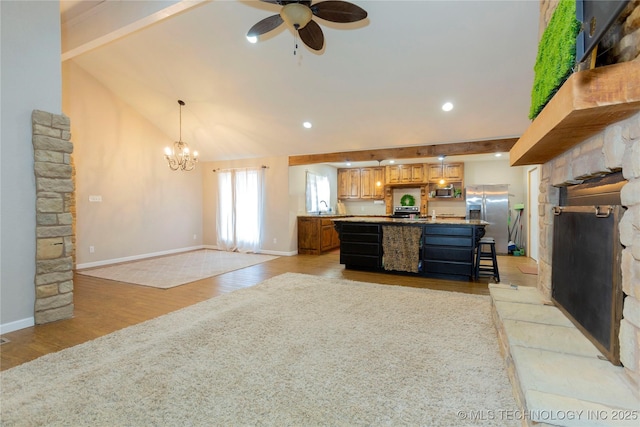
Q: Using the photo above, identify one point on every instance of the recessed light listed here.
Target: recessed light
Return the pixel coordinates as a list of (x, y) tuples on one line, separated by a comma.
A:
[(498, 154), (441, 157), (348, 163), (252, 39), (307, 125), (447, 106), (392, 161)]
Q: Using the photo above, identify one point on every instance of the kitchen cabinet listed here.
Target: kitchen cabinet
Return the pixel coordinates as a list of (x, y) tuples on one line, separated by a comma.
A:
[(372, 183), (453, 175), (361, 245), (361, 183), (401, 174), (446, 249), (447, 171), (349, 183), (316, 235)]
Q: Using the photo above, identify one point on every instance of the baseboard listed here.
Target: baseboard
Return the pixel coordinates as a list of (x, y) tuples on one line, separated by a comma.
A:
[(136, 257), (5, 328), (279, 253)]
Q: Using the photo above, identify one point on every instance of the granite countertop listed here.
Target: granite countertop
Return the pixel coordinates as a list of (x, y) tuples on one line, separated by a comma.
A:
[(388, 220), (332, 215), (321, 216)]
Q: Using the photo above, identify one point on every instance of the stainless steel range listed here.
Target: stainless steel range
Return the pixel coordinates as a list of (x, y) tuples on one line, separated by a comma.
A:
[(405, 211)]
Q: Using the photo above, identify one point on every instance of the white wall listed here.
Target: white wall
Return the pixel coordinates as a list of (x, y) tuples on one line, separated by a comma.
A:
[(279, 222), (146, 208), (30, 58), (531, 212)]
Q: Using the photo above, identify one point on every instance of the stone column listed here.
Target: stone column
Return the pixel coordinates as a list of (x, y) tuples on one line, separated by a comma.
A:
[(55, 213)]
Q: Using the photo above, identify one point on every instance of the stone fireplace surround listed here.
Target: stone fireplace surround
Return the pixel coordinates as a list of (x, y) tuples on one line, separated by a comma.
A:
[(616, 148), (552, 366)]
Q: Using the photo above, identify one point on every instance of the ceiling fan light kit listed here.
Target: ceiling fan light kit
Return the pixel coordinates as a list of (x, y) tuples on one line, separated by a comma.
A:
[(298, 15)]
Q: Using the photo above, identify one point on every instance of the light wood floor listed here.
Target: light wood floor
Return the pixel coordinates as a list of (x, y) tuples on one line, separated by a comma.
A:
[(104, 306)]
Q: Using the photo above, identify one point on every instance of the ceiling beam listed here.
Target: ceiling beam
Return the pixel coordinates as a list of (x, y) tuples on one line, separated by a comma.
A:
[(457, 149), (112, 20)]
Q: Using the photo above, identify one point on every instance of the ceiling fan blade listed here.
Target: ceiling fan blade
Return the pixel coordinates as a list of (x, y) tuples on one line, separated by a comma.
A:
[(312, 35), (264, 26), (338, 11), (286, 2)]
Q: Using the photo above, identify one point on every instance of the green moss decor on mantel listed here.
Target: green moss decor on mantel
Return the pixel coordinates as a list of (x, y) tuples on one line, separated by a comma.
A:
[(556, 55)]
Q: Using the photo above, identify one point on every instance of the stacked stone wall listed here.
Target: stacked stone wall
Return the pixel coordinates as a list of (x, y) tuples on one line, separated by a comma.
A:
[(616, 148), (55, 216)]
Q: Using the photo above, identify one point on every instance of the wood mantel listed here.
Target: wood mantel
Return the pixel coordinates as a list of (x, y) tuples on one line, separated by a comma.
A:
[(586, 103)]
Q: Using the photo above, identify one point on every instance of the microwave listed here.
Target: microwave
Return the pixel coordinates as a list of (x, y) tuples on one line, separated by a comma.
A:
[(444, 192)]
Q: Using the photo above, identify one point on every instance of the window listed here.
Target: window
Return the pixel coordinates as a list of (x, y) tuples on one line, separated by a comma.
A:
[(318, 193), (239, 219)]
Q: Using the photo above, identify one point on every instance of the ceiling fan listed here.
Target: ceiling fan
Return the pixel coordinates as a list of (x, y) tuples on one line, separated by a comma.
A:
[(298, 16)]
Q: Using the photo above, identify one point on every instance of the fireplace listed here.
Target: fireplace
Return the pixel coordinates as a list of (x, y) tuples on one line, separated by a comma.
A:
[(586, 272), (614, 150), (553, 366)]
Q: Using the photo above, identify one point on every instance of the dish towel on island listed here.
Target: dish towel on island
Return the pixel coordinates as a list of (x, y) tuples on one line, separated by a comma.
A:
[(401, 247)]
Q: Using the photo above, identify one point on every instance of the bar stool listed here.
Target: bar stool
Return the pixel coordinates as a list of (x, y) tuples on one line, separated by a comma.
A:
[(486, 251)]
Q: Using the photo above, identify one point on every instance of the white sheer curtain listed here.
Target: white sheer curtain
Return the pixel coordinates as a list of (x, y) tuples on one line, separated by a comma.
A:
[(318, 191), (240, 208)]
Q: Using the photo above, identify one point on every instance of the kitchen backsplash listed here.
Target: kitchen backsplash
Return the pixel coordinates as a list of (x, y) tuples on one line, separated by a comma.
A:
[(399, 192), (365, 207)]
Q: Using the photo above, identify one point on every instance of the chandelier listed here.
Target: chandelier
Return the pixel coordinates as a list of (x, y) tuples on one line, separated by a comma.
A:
[(180, 157)]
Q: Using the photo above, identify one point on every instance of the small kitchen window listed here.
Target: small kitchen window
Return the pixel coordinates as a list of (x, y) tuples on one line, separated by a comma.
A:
[(318, 193)]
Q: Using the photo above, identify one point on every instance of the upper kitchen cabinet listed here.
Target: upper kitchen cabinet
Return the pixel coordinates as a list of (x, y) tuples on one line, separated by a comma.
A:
[(400, 174), (361, 183), (447, 171), (372, 183), (446, 181), (349, 183)]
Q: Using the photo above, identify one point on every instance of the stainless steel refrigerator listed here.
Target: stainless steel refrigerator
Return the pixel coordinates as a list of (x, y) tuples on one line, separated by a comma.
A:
[(491, 203)]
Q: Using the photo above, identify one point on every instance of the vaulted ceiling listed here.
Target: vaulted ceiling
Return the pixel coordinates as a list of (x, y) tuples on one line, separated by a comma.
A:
[(377, 84)]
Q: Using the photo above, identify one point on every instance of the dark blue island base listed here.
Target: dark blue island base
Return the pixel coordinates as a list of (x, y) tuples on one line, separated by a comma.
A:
[(440, 249)]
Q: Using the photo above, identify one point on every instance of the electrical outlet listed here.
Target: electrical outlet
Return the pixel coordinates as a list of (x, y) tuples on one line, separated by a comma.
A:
[(95, 198), (91, 249), (195, 236), (275, 240)]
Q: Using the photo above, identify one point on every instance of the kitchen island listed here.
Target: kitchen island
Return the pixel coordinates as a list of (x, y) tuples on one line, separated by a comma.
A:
[(442, 248)]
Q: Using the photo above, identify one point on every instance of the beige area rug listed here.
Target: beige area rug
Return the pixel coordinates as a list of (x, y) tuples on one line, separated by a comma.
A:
[(294, 350), (174, 270)]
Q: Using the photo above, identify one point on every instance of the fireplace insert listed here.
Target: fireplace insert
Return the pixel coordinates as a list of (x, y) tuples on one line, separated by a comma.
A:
[(586, 264)]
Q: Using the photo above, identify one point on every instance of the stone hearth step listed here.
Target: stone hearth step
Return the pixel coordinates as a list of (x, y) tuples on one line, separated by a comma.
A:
[(558, 375)]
